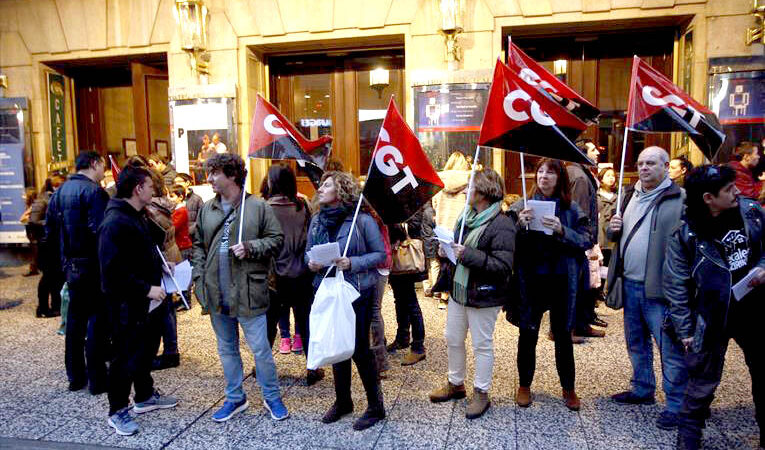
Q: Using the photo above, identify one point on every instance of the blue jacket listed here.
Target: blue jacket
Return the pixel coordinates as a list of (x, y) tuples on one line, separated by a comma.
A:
[(366, 251), (74, 214)]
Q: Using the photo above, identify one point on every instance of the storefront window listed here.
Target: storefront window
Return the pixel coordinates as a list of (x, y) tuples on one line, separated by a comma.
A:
[(373, 104)]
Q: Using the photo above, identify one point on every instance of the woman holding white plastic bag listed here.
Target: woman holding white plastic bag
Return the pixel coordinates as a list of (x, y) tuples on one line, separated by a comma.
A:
[(337, 196)]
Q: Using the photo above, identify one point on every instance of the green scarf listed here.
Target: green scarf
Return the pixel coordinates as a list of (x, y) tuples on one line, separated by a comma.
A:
[(475, 224)]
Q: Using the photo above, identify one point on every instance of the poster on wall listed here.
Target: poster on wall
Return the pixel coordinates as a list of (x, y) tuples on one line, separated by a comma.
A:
[(201, 128), (448, 118), (738, 98), (57, 116), (12, 177)]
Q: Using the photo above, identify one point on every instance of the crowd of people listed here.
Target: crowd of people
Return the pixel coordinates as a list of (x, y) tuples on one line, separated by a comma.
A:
[(669, 255)]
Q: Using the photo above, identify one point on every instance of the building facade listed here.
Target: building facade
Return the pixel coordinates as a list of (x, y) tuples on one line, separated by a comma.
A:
[(113, 74)]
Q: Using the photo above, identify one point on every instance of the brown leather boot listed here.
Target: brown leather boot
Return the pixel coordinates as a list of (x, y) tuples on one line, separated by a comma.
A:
[(478, 404), (447, 392), (412, 358), (523, 397), (572, 400)]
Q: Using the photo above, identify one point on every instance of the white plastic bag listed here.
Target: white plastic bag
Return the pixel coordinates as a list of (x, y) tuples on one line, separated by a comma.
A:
[(332, 322)]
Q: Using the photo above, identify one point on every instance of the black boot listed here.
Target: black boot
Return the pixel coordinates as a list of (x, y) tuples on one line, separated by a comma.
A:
[(337, 411), (313, 376), (370, 417), (688, 442), (165, 362)]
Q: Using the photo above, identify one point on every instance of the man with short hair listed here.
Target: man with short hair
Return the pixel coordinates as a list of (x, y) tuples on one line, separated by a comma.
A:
[(584, 191), (678, 168), (219, 146), (231, 280), (161, 165), (722, 242), (649, 215), (747, 157), (131, 270), (74, 214)]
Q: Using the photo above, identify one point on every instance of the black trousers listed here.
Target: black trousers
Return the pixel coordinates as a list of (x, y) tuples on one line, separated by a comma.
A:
[(362, 356), (135, 342), (554, 296), (87, 335), (408, 312), (705, 368), (585, 300), (298, 294), (49, 286)]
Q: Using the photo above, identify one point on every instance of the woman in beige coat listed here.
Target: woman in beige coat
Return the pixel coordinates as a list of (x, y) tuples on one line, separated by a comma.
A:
[(448, 205)]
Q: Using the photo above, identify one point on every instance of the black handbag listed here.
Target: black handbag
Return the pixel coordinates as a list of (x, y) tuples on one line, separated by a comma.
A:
[(445, 278)]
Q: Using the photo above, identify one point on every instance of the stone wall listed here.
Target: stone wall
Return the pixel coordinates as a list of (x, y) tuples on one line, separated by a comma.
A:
[(35, 32)]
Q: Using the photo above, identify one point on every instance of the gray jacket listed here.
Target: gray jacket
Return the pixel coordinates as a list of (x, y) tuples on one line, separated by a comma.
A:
[(665, 219)]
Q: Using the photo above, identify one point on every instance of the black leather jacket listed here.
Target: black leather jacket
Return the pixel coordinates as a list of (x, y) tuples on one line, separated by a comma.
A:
[(697, 282), (74, 214)]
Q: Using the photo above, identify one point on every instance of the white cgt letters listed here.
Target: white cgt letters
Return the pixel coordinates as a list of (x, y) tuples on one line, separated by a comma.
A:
[(273, 126), (388, 165), (651, 96), (537, 114)]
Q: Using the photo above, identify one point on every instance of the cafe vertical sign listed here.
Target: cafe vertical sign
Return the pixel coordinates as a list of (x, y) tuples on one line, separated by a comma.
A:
[(57, 123)]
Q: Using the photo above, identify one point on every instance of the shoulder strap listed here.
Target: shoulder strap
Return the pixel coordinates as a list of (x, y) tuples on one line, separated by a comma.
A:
[(636, 227)]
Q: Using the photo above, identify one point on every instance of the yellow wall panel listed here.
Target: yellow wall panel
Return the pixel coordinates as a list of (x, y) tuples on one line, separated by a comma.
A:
[(13, 52), (75, 27), (164, 24), (241, 15), (402, 11), (321, 16), (375, 13), (268, 17)]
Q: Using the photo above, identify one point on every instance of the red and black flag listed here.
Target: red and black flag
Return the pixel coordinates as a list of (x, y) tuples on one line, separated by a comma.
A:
[(536, 75), (401, 179), (115, 168), (520, 118), (272, 136), (656, 105)]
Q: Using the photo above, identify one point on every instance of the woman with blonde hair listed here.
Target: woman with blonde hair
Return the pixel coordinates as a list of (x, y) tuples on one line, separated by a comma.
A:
[(447, 206)]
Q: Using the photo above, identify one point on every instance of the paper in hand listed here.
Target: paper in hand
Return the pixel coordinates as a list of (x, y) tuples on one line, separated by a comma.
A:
[(445, 240), (541, 208), (182, 275), (324, 254), (742, 288), (154, 304)]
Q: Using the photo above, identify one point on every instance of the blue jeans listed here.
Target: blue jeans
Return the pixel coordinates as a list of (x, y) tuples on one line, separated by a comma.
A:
[(227, 333), (644, 318)]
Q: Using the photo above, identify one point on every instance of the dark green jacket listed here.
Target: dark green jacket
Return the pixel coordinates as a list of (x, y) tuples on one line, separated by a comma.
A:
[(263, 238)]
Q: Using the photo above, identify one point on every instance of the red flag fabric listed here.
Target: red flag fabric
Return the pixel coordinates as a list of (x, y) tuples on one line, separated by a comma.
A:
[(272, 136), (401, 179), (520, 118), (536, 75), (657, 105), (115, 168)]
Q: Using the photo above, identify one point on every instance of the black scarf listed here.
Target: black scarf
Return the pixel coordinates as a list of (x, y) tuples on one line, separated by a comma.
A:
[(328, 223)]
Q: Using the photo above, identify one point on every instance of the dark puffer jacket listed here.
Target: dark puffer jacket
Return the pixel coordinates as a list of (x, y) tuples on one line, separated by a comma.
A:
[(490, 263), (697, 281), (74, 214)]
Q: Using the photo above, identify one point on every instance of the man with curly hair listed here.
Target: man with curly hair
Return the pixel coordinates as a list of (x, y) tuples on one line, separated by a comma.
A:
[(231, 280)]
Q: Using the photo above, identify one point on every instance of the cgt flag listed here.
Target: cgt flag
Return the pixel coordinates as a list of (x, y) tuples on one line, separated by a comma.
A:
[(536, 75), (272, 136), (401, 179), (657, 106), (520, 118)]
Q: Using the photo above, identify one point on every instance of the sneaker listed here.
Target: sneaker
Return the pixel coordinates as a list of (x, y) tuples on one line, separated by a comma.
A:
[(156, 401), (229, 410), (629, 398), (277, 409), (285, 346), (163, 362), (667, 420), (297, 344), (122, 423)]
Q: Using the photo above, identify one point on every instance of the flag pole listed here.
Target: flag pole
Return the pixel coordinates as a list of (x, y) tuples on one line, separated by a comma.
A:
[(467, 196), (523, 179), (241, 212), (621, 173)]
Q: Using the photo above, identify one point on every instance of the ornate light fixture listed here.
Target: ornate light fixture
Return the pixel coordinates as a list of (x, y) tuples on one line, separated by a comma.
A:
[(560, 69), (191, 16), (379, 79), (451, 26), (757, 33)]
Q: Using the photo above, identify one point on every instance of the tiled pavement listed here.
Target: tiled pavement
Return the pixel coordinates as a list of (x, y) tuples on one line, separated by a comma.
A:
[(36, 409)]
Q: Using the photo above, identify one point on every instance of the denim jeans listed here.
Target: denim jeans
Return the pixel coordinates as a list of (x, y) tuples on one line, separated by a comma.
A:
[(644, 318), (377, 327), (408, 313), (227, 333)]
